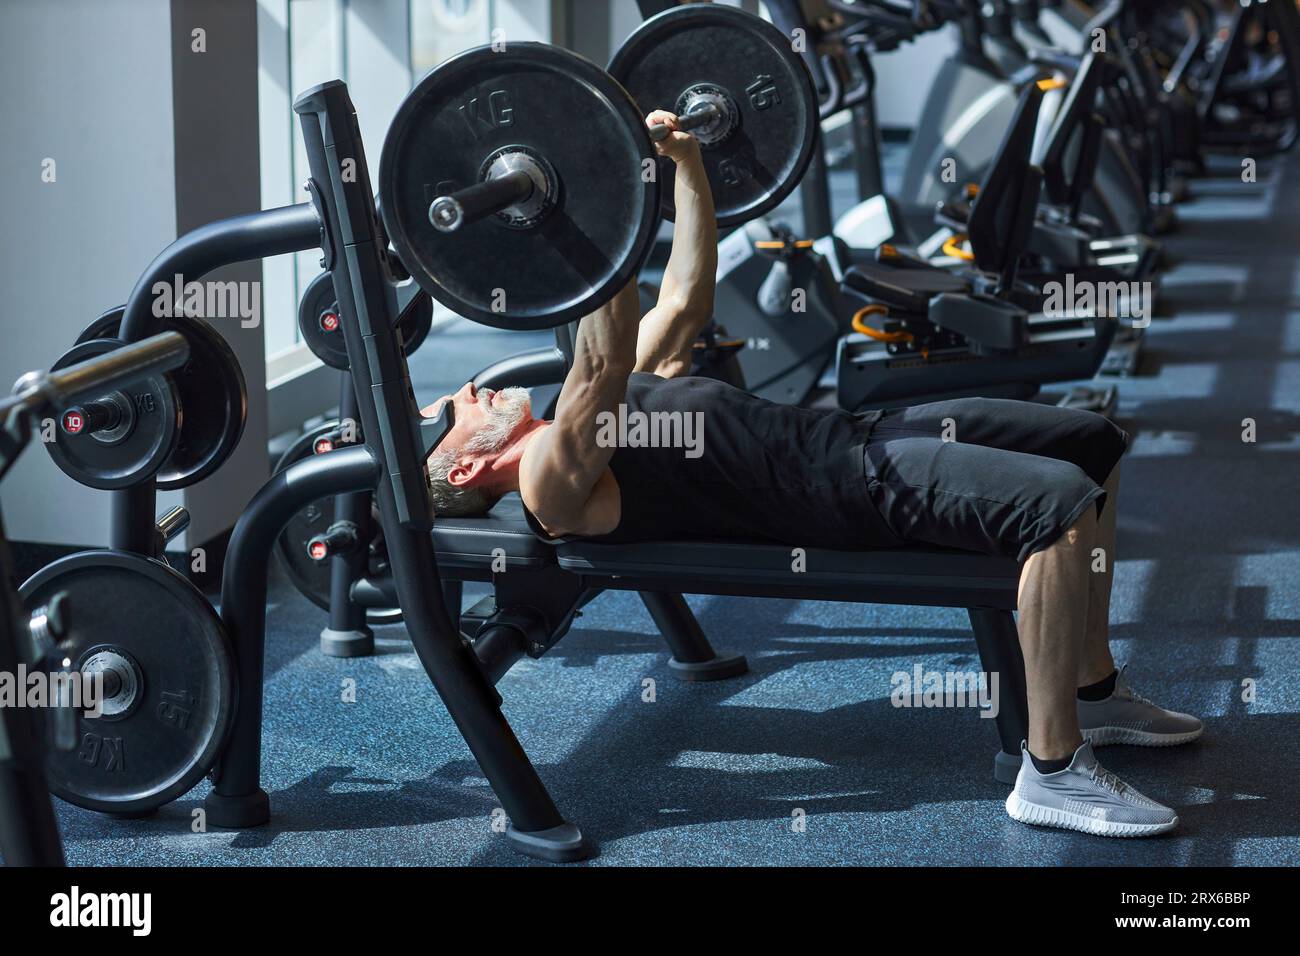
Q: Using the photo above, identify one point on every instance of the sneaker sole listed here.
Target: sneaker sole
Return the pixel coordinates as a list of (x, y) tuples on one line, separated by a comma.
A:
[(1103, 736), (1040, 816)]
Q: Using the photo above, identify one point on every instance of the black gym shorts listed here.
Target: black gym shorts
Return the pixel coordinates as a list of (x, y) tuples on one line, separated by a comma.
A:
[(1012, 479)]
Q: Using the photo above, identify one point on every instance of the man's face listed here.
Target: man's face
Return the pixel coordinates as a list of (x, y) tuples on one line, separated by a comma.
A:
[(485, 419)]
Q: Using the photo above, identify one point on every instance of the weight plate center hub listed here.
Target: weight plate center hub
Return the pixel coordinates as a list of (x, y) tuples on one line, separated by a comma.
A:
[(546, 184), (723, 125), (123, 683)]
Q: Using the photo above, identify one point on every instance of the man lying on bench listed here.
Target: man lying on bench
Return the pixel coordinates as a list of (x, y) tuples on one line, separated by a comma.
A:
[(994, 476)]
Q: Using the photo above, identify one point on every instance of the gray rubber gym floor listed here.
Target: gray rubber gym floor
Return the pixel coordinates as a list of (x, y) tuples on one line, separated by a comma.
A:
[(1206, 603)]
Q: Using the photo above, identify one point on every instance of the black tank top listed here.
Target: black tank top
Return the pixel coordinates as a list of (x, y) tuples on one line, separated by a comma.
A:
[(738, 466)]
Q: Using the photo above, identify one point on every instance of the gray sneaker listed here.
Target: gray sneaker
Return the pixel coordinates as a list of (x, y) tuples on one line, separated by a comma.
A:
[(1128, 718), (1085, 797)]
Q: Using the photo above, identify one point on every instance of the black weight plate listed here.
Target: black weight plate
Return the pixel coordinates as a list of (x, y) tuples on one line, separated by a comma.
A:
[(310, 577), (168, 735), (145, 442), (321, 328), (319, 322), (212, 392), (214, 398), (706, 44), (565, 109), (104, 327)]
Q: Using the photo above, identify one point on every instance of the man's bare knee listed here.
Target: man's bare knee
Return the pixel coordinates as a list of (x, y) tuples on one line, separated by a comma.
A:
[(1083, 530), (1080, 534)]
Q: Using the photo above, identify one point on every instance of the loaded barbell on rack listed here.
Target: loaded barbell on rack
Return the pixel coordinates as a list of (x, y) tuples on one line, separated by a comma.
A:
[(753, 175), (521, 187)]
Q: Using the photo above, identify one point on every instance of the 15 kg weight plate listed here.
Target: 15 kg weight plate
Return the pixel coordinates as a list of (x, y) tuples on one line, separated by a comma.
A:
[(321, 327), (593, 235), (169, 685), (118, 438), (705, 52), (213, 397), (310, 577)]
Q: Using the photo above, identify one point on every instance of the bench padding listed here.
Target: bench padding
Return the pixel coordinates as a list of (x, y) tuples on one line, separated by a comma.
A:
[(701, 567)]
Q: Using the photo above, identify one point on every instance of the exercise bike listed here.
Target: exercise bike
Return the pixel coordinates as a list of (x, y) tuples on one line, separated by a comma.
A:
[(973, 97)]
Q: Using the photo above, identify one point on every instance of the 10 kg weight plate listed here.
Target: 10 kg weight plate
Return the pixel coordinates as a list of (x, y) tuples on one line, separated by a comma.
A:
[(169, 684), (118, 438), (706, 52), (212, 393), (591, 238)]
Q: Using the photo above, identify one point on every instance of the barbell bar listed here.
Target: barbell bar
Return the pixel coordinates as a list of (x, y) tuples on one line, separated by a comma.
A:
[(449, 213), (517, 181), (701, 115)]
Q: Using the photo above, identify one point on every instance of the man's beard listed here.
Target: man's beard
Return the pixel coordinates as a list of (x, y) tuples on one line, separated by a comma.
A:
[(506, 410)]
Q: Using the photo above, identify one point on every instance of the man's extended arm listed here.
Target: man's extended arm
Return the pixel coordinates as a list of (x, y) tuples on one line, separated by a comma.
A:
[(564, 475), (686, 295)]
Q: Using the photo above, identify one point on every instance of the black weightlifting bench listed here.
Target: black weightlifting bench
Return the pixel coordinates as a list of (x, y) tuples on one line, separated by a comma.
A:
[(539, 586), (502, 549)]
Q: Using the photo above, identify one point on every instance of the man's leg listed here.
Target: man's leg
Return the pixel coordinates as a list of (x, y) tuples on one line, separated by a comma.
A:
[(1109, 711), (1096, 664), (1006, 503), (1054, 605), (1060, 783)]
